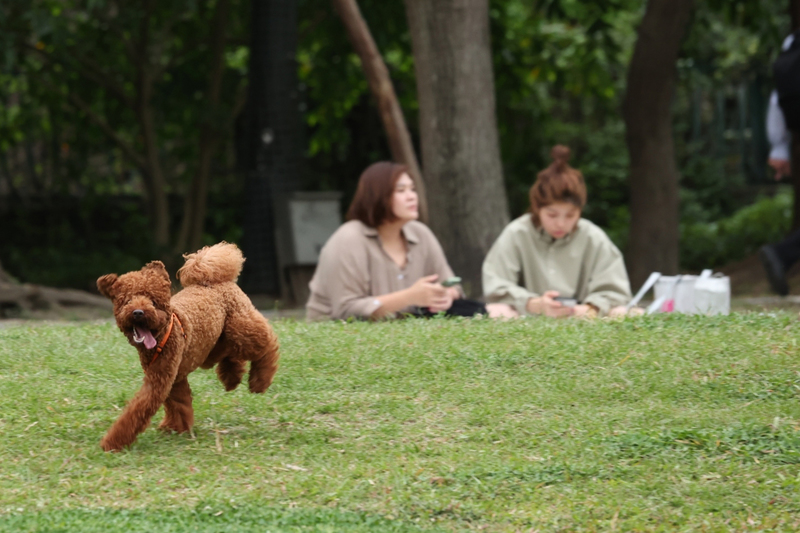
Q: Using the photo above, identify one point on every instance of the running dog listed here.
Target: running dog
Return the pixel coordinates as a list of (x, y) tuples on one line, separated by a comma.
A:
[(210, 322)]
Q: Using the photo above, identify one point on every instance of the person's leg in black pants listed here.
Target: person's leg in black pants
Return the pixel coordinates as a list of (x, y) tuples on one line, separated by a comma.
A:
[(778, 258)]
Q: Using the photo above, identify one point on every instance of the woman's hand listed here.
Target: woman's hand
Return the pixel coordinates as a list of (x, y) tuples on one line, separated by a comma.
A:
[(452, 294), (585, 310), (501, 311), (545, 305), (425, 292)]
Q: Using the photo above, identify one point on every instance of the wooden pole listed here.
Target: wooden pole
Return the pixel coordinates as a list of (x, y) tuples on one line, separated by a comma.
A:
[(382, 89)]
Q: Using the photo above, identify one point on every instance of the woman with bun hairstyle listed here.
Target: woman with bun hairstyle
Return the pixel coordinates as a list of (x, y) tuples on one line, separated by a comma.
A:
[(382, 262), (553, 253)]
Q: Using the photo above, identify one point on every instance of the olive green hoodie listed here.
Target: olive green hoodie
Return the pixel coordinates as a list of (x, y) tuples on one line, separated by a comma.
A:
[(526, 261)]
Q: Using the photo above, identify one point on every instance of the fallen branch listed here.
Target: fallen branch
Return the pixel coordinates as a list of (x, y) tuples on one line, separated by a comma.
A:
[(30, 297), (5, 277)]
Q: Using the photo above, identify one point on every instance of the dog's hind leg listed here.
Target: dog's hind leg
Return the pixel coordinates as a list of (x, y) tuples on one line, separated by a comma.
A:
[(230, 367), (179, 415), (255, 342), (230, 372), (264, 363), (220, 351)]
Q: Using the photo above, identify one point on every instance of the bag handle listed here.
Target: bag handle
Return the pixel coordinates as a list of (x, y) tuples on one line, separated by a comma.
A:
[(646, 287)]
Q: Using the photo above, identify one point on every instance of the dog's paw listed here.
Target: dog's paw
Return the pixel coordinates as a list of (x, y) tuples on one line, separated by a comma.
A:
[(167, 429), (109, 447), (174, 427)]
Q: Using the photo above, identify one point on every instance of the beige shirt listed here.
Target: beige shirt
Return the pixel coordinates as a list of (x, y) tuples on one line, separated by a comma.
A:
[(354, 268), (524, 262)]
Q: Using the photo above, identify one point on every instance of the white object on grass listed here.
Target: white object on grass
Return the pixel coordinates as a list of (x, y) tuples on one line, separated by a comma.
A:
[(655, 307), (707, 294), (712, 295), (651, 280)]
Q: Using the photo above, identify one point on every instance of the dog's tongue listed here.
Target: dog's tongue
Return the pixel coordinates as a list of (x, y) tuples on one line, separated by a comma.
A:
[(144, 333)]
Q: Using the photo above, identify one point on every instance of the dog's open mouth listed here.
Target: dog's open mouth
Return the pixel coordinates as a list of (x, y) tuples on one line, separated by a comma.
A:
[(144, 335)]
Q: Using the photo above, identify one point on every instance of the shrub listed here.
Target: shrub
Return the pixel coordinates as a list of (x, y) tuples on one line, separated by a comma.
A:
[(712, 244)]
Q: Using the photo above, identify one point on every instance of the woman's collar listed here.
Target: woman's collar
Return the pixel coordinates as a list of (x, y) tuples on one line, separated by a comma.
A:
[(549, 239), (408, 230)]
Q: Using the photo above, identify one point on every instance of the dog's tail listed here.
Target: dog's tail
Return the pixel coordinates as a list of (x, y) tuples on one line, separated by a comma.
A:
[(211, 265)]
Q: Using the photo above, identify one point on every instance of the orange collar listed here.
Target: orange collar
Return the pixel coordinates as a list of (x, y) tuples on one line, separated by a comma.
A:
[(173, 318)]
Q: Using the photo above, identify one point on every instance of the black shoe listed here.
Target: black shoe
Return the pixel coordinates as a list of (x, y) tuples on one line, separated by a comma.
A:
[(776, 274)]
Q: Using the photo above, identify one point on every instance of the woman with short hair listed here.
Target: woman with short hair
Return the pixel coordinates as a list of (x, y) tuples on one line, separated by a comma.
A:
[(382, 262), (553, 253)]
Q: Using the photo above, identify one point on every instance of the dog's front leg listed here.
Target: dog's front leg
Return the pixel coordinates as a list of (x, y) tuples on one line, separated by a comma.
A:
[(137, 414), (179, 416)]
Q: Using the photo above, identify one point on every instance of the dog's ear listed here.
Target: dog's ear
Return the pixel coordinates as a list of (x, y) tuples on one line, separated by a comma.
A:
[(105, 284), (157, 267)]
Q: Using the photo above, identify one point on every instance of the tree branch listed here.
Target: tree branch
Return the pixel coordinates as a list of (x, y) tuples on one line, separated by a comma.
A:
[(107, 16), (89, 70), (239, 102), (195, 206), (126, 148), (160, 39), (380, 84), (95, 72)]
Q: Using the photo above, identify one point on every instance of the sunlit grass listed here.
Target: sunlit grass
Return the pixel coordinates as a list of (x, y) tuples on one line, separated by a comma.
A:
[(666, 423)]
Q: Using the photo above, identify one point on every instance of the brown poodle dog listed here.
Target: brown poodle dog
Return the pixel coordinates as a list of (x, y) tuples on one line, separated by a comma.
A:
[(210, 322)]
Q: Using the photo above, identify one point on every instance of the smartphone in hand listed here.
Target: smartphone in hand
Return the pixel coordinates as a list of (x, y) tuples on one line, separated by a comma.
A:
[(449, 282), (566, 302)]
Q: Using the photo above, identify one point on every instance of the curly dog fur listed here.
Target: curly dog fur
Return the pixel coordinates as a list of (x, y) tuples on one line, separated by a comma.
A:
[(216, 324)]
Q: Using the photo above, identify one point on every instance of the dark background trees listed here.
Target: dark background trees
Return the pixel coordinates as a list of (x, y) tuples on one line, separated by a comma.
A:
[(113, 99), (116, 116)]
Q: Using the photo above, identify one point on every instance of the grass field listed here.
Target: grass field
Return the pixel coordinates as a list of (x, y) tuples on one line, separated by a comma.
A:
[(667, 423)]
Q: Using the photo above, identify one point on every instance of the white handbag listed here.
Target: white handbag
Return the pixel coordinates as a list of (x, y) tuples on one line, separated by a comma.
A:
[(706, 294)]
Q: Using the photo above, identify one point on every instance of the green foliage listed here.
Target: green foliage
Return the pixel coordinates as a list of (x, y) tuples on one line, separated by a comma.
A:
[(665, 422), (560, 70), (720, 106), (74, 65), (713, 244), (66, 242), (344, 131)]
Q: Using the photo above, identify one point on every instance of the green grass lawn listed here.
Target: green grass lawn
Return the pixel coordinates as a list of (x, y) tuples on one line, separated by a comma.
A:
[(667, 423)]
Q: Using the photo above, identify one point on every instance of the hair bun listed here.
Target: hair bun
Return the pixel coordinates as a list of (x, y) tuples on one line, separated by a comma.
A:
[(560, 155)]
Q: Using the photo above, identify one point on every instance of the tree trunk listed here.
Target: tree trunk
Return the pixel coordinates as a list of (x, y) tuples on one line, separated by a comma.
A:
[(460, 148), (194, 214), (647, 109), (152, 173), (382, 89)]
